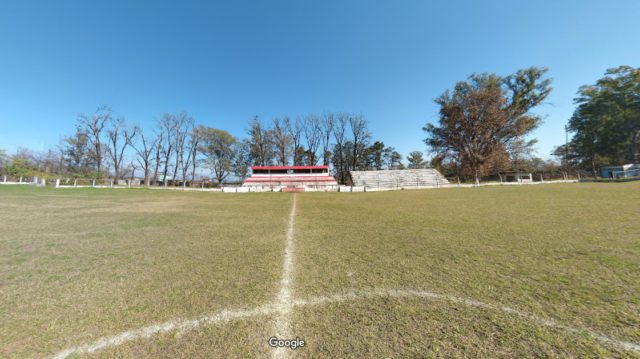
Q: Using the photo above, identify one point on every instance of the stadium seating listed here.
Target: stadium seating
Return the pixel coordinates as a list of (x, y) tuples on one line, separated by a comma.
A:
[(290, 180), (396, 179)]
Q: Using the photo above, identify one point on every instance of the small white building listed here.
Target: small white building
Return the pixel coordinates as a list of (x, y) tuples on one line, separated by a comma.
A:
[(516, 177), (620, 171)]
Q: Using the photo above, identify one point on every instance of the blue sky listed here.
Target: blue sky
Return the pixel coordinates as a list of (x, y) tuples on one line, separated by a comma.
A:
[(224, 62)]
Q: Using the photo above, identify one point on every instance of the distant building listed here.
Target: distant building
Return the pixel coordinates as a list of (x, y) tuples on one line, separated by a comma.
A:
[(291, 178), (620, 171), (516, 177)]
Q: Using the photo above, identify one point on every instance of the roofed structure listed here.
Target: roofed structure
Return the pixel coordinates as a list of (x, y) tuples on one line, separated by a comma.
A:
[(291, 178)]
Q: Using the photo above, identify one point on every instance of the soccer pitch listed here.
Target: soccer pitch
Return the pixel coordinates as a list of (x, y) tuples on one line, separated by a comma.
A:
[(518, 271)]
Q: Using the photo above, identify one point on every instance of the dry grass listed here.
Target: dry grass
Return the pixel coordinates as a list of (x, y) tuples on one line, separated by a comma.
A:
[(565, 252), (77, 265)]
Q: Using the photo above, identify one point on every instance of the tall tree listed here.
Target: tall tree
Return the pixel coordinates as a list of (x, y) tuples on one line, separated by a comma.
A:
[(75, 151), (261, 142), (606, 122), (360, 136), (295, 129), (93, 125), (4, 159), (242, 160), (182, 127), (326, 125), (194, 143), (168, 128), (313, 136), (392, 159), (416, 160), (218, 147), (340, 137), (281, 140), (119, 137), (157, 151), (144, 149), (376, 155), (482, 116)]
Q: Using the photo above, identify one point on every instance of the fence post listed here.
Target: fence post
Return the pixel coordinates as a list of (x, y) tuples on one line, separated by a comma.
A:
[(75, 183), (57, 182), (541, 179), (20, 181)]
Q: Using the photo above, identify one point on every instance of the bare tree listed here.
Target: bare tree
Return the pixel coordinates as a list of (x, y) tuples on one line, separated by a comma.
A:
[(340, 136), (183, 126), (93, 126), (313, 135), (144, 150), (119, 136), (158, 150), (281, 140), (327, 129), (261, 143), (196, 137), (184, 146), (295, 129), (167, 124), (360, 135)]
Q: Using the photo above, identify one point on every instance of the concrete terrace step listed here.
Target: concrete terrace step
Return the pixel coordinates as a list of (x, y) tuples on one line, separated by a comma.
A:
[(398, 178)]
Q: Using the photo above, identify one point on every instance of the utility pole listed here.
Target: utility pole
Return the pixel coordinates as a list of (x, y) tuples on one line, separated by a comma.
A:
[(566, 151)]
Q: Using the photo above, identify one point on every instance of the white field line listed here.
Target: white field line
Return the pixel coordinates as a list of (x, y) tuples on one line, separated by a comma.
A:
[(225, 316), (284, 301), (408, 293), (184, 325)]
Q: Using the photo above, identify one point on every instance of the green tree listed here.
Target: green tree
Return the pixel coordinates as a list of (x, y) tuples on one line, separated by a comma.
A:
[(76, 152), (606, 121), (218, 147), (416, 160), (482, 116), (19, 167), (4, 160), (242, 160), (376, 155)]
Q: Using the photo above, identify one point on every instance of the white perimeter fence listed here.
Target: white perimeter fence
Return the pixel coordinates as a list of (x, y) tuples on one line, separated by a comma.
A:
[(125, 184), (33, 181), (447, 185)]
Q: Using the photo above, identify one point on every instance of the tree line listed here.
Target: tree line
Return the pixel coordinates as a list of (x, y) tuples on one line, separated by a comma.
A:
[(178, 150), (606, 122), (485, 123), (483, 128)]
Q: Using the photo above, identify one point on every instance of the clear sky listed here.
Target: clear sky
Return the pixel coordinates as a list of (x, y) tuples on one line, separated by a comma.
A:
[(224, 62)]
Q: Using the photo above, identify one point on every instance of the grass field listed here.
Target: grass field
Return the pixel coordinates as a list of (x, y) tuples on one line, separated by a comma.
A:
[(519, 271)]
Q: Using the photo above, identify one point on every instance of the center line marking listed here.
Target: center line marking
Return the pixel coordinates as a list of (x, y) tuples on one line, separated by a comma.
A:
[(284, 301)]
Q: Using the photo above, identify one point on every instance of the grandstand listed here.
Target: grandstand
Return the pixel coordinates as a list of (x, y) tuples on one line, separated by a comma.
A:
[(397, 179), (291, 178)]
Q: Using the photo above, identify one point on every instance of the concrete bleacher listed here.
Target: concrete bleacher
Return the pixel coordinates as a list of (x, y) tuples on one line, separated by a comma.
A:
[(397, 179)]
